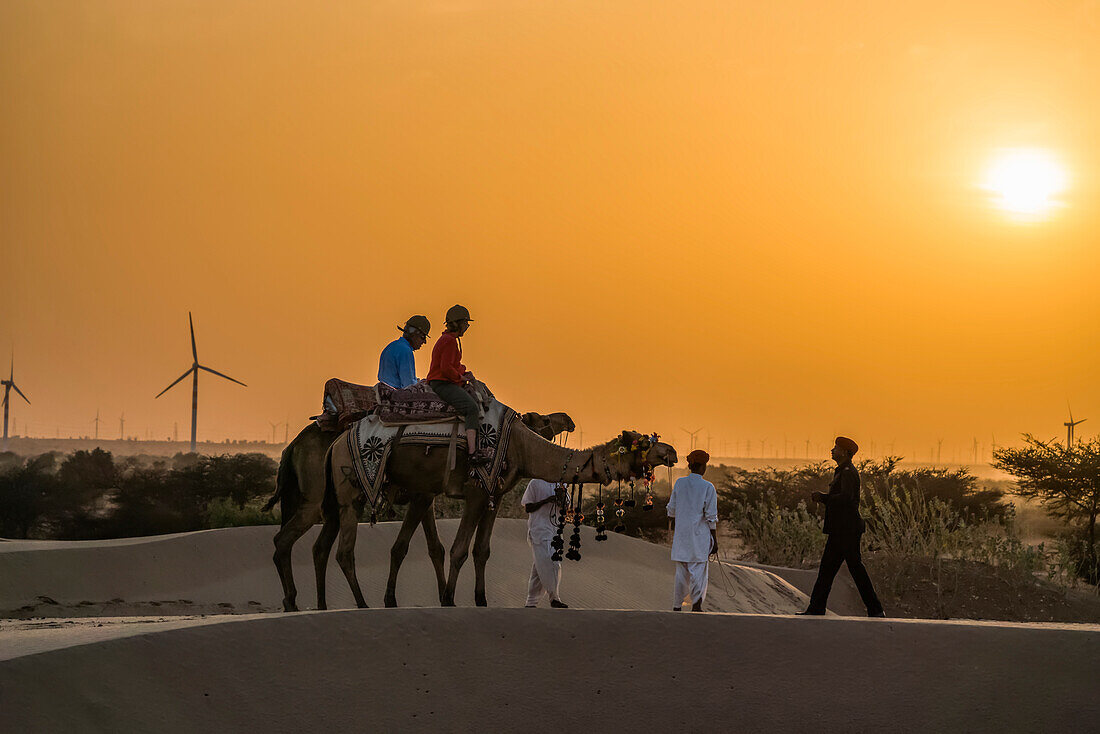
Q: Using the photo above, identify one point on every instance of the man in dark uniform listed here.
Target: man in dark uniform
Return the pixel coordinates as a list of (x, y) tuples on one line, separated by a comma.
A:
[(844, 526)]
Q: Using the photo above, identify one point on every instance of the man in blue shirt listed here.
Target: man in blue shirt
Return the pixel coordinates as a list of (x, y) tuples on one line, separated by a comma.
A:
[(396, 366)]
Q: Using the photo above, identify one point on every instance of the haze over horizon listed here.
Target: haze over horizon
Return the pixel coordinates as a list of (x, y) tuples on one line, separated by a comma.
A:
[(767, 222)]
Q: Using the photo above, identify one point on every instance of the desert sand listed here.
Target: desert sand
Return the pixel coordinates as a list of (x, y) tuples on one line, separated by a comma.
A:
[(183, 632)]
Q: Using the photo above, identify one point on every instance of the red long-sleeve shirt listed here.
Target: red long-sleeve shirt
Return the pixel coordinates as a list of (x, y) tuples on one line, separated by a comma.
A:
[(447, 360)]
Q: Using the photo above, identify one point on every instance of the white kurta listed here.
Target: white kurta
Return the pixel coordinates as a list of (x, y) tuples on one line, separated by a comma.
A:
[(541, 529), (694, 504)]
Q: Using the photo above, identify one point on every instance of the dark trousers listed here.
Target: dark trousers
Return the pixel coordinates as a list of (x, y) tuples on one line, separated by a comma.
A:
[(466, 406), (843, 548)]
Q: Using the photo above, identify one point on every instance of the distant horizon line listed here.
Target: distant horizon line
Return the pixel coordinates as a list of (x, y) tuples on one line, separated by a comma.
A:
[(131, 440)]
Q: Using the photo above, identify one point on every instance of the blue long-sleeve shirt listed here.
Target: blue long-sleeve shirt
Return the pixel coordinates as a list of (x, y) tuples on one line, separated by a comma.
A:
[(396, 367)]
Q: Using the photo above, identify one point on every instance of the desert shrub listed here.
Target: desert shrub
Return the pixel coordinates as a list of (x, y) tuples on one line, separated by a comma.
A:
[(957, 488), (87, 494), (903, 524), (778, 535), (1065, 479), (786, 488), (10, 460), (26, 490), (1071, 560), (225, 513)]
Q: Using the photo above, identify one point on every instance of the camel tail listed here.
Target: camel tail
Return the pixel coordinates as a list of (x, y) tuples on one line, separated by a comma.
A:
[(287, 492)]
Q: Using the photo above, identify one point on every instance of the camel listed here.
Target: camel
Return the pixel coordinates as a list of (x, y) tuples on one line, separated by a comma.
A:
[(300, 490), (419, 475)]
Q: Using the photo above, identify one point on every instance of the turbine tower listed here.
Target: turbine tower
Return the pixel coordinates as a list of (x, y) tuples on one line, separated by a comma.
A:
[(692, 434), (9, 385), (96, 421), (1069, 424), (194, 371)]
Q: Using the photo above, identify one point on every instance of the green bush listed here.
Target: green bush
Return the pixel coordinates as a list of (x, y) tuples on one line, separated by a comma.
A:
[(27, 492), (225, 513), (778, 535), (88, 495), (788, 487)]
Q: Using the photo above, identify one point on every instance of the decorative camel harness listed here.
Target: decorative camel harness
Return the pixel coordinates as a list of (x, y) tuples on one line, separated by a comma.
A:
[(570, 509)]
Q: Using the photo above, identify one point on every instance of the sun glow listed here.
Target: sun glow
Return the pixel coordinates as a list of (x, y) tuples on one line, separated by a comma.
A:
[(1025, 182)]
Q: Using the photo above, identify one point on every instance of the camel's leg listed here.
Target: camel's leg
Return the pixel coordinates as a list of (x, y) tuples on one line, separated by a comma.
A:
[(417, 505), (345, 551), (285, 539), (321, 549), (460, 549), (435, 550), (481, 555)]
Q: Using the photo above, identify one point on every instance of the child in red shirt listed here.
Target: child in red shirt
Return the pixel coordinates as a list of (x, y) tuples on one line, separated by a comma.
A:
[(447, 375)]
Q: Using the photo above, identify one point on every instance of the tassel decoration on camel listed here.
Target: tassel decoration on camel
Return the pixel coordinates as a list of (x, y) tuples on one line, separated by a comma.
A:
[(574, 553), (601, 528), (558, 543), (619, 511)]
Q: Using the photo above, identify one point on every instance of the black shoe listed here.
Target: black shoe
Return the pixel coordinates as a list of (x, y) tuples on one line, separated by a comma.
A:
[(879, 614), (810, 613), (558, 604)]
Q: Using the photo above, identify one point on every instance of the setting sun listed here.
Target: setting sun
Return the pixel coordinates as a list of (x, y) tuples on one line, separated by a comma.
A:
[(1025, 182)]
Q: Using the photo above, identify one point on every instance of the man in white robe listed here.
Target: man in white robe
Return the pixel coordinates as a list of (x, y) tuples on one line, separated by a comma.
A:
[(543, 501), (693, 517)]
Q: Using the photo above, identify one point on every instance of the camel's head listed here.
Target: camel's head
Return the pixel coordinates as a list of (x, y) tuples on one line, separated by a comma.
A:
[(662, 454), (548, 426), (642, 452)]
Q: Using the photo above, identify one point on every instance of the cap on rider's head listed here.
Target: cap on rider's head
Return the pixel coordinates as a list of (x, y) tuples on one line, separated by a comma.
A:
[(419, 323), (458, 313)]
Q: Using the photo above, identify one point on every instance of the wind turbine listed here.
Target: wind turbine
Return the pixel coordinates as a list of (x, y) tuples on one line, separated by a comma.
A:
[(9, 385), (96, 421), (194, 371), (1069, 424), (692, 434)]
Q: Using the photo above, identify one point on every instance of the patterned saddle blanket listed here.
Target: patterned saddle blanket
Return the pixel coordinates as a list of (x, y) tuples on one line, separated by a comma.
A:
[(371, 441), (345, 402)]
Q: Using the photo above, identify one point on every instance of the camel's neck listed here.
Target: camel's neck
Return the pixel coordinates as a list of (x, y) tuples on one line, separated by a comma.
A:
[(540, 459)]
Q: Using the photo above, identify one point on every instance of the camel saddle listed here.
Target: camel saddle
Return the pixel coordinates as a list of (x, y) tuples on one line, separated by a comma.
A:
[(370, 441), (345, 403)]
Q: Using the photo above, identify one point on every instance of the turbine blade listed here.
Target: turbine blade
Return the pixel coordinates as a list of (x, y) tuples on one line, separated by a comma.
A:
[(11, 375), (16, 388), (194, 349), (219, 374), (185, 374)]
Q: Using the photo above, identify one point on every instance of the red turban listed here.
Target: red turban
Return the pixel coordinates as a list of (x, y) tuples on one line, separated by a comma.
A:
[(698, 456), (847, 444)]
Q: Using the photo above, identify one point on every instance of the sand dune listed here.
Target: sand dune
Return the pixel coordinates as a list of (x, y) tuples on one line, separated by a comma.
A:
[(121, 642), (551, 670), (230, 570)]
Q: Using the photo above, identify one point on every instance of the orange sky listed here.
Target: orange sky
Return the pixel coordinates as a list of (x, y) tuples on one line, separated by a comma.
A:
[(761, 219)]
